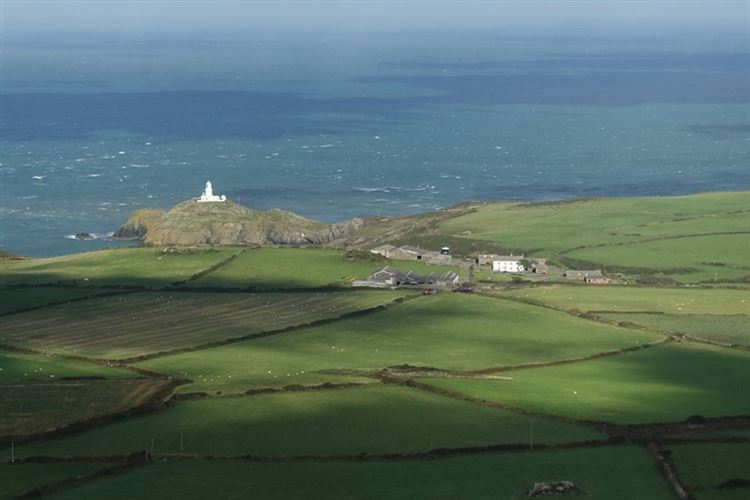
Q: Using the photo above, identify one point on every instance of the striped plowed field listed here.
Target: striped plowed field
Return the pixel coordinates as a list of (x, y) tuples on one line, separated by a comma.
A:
[(137, 324), (35, 406)]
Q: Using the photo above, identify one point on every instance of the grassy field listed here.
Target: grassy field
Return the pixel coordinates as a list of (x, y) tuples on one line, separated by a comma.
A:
[(372, 419), (18, 478), (135, 324), (121, 267), (703, 467), (449, 331), (659, 384), (14, 299), (727, 329), (32, 407), (273, 268), (549, 228), (599, 473), (639, 299), (693, 259), (14, 365)]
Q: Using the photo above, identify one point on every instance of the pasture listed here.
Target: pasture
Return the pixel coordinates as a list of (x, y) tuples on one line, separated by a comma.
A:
[(727, 329), (17, 478), (638, 299), (599, 473), (31, 407), (448, 331), (299, 268), (21, 298), (123, 267), (690, 259), (130, 325), (703, 468), (16, 365), (660, 384), (370, 419), (550, 228)]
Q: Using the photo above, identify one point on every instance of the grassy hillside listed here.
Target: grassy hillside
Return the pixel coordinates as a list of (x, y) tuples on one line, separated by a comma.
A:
[(550, 228), (526, 348)]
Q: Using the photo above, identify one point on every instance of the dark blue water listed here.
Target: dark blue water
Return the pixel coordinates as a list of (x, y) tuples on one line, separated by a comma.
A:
[(337, 126)]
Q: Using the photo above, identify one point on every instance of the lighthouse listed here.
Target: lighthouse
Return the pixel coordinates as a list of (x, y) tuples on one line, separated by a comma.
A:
[(209, 196)]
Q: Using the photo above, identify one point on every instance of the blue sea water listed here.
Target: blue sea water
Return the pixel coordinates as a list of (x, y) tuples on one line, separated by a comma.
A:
[(334, 126)]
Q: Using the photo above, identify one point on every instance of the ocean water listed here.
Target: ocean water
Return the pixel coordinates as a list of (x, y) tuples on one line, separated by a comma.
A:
[(338, 126)]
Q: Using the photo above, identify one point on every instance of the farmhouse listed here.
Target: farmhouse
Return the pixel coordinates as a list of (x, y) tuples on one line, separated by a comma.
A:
[(409, 252), (592, 277), (485, 259), (508, 264), (389, 277)]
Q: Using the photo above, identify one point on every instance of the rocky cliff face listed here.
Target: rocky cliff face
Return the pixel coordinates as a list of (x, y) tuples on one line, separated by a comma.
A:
[(139, 223)]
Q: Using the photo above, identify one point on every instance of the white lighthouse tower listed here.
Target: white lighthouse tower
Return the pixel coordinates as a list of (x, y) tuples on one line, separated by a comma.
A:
[(209, 196)]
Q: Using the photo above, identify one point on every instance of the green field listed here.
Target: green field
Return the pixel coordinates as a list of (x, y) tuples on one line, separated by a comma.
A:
[(727, 329), (449, 331), (703, 467), (691, 259), (131, 325), (639, 299), (20, 298), (599, 473), (236, 324), (371, 419), (18, 478), (549, 228), (284, 268), (121, 267), (660, 384), (14, 365), (31, 407)]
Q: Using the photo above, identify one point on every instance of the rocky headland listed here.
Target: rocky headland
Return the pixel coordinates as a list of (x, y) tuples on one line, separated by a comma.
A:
[(227, 223)]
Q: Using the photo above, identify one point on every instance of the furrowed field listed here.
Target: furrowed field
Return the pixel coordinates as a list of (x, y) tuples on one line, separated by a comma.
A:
[(131, 325), (223, 372)]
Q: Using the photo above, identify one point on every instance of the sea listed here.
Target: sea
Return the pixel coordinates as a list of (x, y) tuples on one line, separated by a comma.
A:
[(341, 125)]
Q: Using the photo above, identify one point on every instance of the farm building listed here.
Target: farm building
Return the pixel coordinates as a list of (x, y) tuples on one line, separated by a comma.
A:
[(389, 277), (408, 252), (592, 277), (508, 264)]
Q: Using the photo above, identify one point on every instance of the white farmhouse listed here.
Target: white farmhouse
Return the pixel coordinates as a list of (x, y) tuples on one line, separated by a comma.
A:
[(508, 264)]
